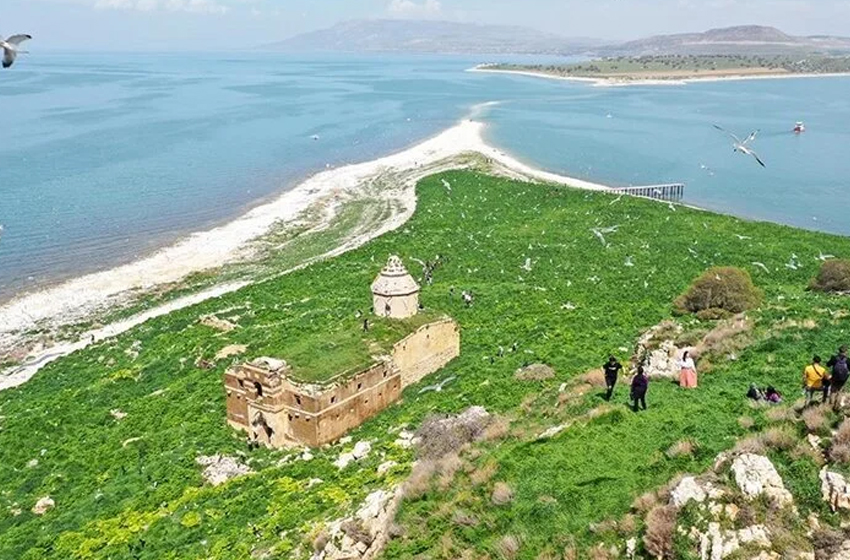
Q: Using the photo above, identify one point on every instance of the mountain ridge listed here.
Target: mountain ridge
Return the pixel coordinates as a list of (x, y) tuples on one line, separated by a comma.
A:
[(448, 37)]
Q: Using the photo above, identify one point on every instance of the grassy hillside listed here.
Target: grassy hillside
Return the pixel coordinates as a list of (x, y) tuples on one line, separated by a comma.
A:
[(130, 488)]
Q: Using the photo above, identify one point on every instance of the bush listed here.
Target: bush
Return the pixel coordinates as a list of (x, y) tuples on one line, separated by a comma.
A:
[(718, 292), (660, 530), (508, 547), (502, 494), (834, 276)]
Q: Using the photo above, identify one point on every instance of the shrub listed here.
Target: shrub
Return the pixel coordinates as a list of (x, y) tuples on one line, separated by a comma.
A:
[(508, 547), (484, 474), (834, 276), (645, 502), (502, 494), (720, 291), (441, 435), (660, 530), (839, 449), (814, 418), (681, 449), (746, 422), (779, 439)]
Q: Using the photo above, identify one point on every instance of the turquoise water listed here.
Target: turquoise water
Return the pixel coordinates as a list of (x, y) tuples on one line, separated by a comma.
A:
[(107, 157)]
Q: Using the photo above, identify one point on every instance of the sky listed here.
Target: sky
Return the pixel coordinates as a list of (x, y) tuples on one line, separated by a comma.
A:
[(218, 25)]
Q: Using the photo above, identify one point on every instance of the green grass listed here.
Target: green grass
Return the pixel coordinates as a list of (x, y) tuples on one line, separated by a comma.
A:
[(146, 499)]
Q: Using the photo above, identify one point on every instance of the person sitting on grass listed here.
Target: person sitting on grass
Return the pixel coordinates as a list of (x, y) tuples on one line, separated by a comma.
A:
[(772, 396), (640, 384), (814, 380), (612, 370), (755, 393), (838, 365)]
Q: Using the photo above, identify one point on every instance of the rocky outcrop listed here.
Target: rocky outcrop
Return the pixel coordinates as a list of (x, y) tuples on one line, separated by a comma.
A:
[(688, 490), (835, 490), (43, 505), (361, 451), (717, 544), (364, 535), (755, 475), (219, 468), (658, 352), (441, 435), (214, 322)]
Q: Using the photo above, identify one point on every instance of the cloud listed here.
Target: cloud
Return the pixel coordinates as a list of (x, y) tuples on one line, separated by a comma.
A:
[(411, 9), (186, 6)]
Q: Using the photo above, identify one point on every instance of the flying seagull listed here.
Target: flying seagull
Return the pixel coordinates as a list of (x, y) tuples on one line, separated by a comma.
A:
[(742, 146), (10, 48), (438, 387)]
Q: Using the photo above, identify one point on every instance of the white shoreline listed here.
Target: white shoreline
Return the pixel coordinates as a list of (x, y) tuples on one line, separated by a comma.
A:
[(75, 299), (615, 82)]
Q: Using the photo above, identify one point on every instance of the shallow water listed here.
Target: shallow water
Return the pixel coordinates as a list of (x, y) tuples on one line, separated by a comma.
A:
[(116, 155)]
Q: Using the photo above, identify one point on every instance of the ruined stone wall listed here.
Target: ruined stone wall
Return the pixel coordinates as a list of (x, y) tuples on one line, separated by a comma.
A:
[(426, 350), (277, 412)]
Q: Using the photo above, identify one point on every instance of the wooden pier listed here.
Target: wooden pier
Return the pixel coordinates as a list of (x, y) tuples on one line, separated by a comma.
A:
[(673, 192)]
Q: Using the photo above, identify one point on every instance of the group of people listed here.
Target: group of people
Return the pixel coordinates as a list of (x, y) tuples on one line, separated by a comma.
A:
[(640, 382), (828, 380)]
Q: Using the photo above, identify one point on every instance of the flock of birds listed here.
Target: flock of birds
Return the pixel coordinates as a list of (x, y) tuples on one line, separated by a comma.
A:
[(11, 48)]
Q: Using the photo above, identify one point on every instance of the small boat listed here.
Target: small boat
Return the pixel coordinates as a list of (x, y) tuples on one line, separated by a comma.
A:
[(799, 127)]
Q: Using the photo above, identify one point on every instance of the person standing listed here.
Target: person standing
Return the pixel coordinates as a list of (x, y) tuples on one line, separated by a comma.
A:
[(640, 384), (612, 370), (688, 372), (814, 376), (839, 367)]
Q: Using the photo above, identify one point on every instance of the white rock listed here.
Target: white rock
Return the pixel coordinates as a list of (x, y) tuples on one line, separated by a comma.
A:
[(219, 468), (43, 505), (306, 456), (814, 441), (314, 482), (688, 489), (756, 534), (631, 548), (384, 468), (361, 450), (835, 490), (755, 475), (32, 463), (344, 460)]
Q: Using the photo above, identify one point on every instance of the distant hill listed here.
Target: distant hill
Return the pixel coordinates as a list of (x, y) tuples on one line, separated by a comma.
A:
[(749, 39), (433, 37)]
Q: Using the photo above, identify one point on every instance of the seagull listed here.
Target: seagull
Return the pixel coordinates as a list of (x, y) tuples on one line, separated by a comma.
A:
[(820, 257), (742, 237), (792, 263), (742, 145), (629, 262), (527, 265), (761, 266), (10, 48), (438, 387), (447, 185)]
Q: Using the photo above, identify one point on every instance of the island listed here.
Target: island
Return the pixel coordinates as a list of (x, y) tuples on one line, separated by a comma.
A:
[(677, 68)]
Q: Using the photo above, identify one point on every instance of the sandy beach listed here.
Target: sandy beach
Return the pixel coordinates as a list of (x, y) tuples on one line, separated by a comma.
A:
[(621, 82), (77, 299)]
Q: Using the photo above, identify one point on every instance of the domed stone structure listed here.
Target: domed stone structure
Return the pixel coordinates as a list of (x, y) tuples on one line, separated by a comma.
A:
[(395, 294)]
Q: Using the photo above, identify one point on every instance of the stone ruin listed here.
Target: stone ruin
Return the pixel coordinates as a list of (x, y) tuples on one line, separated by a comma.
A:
[(277, 411)]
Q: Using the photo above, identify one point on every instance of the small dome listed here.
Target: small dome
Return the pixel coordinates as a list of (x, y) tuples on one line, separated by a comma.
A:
[(394, 280)]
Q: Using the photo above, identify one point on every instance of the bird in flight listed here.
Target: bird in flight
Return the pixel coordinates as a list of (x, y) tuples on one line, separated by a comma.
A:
[(743, 146), (10, 48)]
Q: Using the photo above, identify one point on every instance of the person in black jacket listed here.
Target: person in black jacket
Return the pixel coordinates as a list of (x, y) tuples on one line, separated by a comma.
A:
[(612, 370), (640, 384), (838, 365)]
